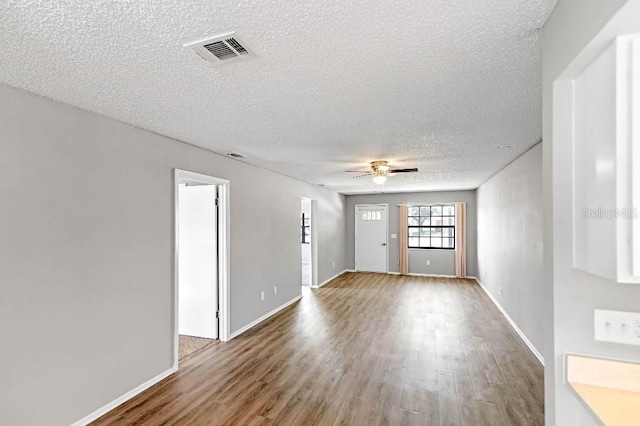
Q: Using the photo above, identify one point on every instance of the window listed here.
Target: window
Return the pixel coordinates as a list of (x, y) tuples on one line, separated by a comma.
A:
[(371, 215), (432, 227), (305, 228)]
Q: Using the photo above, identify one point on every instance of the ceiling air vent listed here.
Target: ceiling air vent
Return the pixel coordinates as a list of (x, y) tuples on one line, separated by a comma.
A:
[(221, 49), (235, 155)]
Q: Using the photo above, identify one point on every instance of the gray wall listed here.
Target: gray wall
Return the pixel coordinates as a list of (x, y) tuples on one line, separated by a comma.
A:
[(442, 261), (86, 249), (572, 294), (510, 242)]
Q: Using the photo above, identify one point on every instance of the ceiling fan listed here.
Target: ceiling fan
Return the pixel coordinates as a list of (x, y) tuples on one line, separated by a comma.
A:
[(380, 170)]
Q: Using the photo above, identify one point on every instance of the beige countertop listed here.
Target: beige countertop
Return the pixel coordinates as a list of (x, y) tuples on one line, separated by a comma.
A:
[(611, 389)]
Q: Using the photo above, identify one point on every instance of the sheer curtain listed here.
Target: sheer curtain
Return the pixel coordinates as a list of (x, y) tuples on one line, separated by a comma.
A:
[(404, 239), (461, 240)]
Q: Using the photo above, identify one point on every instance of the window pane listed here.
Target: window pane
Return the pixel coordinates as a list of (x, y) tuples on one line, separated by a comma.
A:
[(448, 242), (436, 211), (436, 242), (436, 221), (425, 232), (424, 242), (447, 211), (413, 242), (424, 211), (425, 221), (378, 215), (447, 232), (414, 211), (436, 232), (413, 221), (448, 221), (414, 232)]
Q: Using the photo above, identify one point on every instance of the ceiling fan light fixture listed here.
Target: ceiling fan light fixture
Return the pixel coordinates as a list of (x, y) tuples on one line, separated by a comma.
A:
[(384, 168), (380, 179)]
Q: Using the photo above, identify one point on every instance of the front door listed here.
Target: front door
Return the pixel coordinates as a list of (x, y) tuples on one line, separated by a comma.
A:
[(371, 237)]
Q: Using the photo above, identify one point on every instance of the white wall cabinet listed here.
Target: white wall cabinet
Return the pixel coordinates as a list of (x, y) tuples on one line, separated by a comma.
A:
[(606, 163)]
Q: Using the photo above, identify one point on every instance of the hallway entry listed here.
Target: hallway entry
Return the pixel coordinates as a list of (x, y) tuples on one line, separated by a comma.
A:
[(305, 240), (201, 262), (198, 260)]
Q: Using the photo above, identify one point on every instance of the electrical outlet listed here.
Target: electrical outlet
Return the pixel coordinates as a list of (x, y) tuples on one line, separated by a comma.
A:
[(275, 290), (617, 327), (334, 264), (262, 295), (500, 291), (428, 263)]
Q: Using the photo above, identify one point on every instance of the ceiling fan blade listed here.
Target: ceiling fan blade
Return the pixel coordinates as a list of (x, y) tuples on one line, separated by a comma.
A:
[(403, 170), (356, 171), (366, 174)]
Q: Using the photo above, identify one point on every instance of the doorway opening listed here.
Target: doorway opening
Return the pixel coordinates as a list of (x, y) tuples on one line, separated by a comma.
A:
[(201, 262), (305, 240), (308, 242)]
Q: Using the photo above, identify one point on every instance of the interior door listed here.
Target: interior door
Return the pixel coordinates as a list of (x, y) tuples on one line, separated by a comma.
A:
[(371, 238), (197, 261)]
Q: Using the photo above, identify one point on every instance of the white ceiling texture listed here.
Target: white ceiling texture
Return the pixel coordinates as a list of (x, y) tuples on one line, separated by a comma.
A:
[(452, 87)]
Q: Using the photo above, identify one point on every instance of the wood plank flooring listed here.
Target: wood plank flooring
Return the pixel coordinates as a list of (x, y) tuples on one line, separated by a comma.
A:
[(365, 349)]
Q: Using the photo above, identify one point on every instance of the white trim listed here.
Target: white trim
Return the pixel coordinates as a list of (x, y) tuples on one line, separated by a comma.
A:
[(224, 265), (124, 398), (415, 274), (264, 317), (330, 279), (513, 324)]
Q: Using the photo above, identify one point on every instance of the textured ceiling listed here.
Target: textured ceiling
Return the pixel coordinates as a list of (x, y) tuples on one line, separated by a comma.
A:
[(442, 85)]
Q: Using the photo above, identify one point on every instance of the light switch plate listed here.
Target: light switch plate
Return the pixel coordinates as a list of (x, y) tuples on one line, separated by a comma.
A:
[(617, 327)]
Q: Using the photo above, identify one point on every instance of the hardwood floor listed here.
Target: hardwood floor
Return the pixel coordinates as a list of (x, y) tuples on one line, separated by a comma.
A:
[(364, 349)]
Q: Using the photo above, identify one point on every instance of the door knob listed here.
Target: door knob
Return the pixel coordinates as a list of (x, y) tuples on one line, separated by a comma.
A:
[(383, 244)]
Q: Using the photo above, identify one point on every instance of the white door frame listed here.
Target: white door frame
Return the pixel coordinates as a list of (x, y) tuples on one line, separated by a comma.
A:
[(386, 233), (181, 176)]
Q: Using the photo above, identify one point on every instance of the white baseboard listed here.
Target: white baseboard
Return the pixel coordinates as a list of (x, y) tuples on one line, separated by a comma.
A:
[(414, 274), (513, 324), (330, 279), (124, 398), (264, 317), (431, 275)]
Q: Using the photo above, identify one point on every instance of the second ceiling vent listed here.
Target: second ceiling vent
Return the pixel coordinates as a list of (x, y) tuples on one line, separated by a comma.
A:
[(221, 49)]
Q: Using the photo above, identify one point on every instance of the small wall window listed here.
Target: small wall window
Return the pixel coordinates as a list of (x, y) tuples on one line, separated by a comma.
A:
[(432, 227)]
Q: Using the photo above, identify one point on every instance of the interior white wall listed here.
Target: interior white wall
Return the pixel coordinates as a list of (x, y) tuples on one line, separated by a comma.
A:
[(510, 242), (87, 253), (571, 295), (442, 261)]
